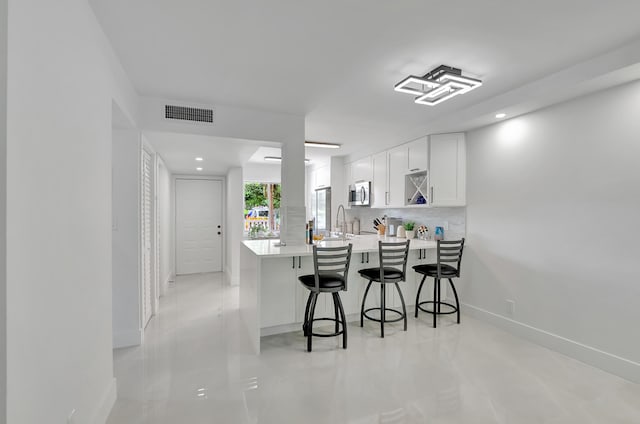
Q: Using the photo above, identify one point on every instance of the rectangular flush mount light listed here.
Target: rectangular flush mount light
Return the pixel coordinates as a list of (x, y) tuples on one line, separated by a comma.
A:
[(321, 144), (442, 83), (279, 159)]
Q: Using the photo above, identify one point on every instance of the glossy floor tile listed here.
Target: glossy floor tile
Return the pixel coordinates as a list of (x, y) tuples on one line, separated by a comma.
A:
[(196, 367)]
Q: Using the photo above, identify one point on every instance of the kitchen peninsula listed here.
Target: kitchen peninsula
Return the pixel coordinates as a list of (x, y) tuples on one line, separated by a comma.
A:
[(272, 300)]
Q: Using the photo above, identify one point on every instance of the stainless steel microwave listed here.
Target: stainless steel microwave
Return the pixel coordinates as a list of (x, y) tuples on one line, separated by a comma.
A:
[(359, 193)]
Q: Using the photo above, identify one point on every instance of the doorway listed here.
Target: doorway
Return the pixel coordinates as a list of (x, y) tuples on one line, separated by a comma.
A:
[(199, 225)]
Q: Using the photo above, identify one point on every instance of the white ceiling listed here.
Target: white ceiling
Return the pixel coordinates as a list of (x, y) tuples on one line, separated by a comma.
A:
[(336, 61), (180, 150)]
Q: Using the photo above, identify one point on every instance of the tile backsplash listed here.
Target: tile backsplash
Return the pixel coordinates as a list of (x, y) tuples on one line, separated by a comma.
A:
[(431, 217)]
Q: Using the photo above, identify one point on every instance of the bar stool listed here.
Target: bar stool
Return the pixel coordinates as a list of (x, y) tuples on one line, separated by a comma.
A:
[(331, 267), (391, 256), (447, 252)]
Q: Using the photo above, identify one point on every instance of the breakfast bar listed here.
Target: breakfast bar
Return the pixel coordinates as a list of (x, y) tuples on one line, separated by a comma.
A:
[(272, 300)]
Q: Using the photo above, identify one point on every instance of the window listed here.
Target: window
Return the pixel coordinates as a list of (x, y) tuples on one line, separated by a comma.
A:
[(261, 208)]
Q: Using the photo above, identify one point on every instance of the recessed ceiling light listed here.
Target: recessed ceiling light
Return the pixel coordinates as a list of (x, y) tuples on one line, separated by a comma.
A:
[(199, 159), (500, 115), (279, 159), (442, 83), (198, 169), (321, 145)]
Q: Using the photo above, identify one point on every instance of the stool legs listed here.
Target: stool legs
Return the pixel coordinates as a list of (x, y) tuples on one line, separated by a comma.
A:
[(404, 308), (364, 298), (343, 317), (335, 311), (435, 299), (310, 321), (455, 293), (305, 324), (382, 309), (418, 295)]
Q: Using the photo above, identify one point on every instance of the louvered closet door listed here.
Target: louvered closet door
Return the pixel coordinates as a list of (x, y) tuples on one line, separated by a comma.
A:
[(146, 237)]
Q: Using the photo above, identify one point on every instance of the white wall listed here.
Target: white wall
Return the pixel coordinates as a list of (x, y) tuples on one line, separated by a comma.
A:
[(552, 223), (3, 210), (165, 224), (62, 80), (234, 223), (262, 173), (126, 238)]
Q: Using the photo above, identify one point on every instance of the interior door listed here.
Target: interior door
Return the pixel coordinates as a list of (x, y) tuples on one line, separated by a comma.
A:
[(198, 226), (147, 204)]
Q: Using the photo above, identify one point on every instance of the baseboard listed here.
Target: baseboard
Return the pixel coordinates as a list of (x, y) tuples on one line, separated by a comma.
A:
[(127, 338), (106, 404), (606, 361)]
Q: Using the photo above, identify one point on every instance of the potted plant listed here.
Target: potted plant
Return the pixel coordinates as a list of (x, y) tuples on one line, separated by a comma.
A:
[(408, 227)]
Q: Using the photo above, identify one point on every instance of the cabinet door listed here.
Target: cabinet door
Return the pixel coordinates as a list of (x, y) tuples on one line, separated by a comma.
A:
[(278, 291), (447, 170), (348, 181), (396, 171), (323, 177), (418, 151), (304, 266), (361, 170), (380, 184)]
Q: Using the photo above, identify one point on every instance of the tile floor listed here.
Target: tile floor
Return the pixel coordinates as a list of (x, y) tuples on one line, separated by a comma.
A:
[(195, 367)]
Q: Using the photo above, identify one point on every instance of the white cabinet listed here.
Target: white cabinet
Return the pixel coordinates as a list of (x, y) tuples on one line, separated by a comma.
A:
[(380, 182), (396, 171), (283, 298), (361, 170), (447, 170), (323, 177), (418, 152), (277, 292)]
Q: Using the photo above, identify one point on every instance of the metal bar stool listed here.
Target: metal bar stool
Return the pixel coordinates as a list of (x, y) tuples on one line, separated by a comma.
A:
[(331, 267), (391, 256), (448, 252)]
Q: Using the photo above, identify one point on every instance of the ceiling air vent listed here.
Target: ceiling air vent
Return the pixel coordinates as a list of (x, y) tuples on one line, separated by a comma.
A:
[(191, 114)]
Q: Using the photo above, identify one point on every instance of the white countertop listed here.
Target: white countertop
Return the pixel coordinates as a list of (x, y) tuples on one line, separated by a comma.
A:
[(362, 243)]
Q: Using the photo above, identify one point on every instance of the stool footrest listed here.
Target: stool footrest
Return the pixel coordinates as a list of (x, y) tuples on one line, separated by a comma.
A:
[(328, 334), (386, 320), (435, 304)]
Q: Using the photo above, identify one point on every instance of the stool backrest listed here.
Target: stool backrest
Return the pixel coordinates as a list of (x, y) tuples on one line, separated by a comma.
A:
[(331, 260), (450, 252), (393, 255)]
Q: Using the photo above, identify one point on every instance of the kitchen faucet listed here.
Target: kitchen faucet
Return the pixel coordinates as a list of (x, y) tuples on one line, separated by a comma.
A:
[(344, 222)]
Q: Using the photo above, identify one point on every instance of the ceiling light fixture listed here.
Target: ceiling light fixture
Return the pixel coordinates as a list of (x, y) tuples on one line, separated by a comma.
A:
[(198, 169), (500, 115), (199, 159), (322, 145), (279, 159), (442, 83)]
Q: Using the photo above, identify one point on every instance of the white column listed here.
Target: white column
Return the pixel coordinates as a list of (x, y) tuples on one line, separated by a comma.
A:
[(292, 208)]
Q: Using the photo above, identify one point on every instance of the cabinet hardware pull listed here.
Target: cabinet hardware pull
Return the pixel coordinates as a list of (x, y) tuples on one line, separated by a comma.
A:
[(367, 257), (293, 265), (431, 194), (299, 261)]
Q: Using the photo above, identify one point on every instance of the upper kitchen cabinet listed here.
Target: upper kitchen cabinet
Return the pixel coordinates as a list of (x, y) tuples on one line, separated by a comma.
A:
[(447, 169), (323, 177), (361, 170), (379, 182), (418, 155), (396, 171)]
